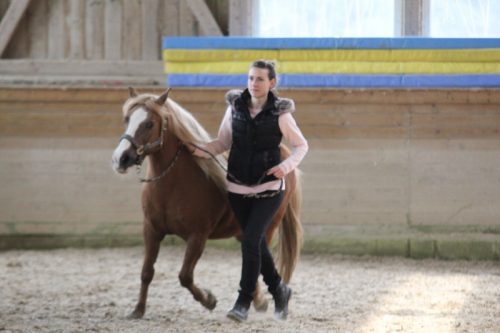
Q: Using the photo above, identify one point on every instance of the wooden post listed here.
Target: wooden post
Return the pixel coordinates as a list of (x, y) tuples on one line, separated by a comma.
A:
[(132, 30), (10, 22), (150, 35), (76, 30), (113, 30), (188, 26), (94, 29), (240, 17), (168, 15), (55, 30), (412, 17), (38, 36)]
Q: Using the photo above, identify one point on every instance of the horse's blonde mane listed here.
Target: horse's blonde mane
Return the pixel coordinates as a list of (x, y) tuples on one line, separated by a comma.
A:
[(186, 128)]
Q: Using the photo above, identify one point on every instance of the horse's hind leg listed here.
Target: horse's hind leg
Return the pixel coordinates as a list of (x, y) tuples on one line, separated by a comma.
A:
[(259, 300), (152, 247), (194, 249)]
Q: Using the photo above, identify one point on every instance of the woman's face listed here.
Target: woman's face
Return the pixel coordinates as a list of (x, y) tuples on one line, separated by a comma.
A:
[(259, 83)]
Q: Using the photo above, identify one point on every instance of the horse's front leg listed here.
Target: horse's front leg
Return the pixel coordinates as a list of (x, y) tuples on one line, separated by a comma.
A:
[(152, 246), (194, 249)]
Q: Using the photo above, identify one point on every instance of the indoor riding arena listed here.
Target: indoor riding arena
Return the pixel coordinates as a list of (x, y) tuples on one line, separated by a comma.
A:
[(399, 101)]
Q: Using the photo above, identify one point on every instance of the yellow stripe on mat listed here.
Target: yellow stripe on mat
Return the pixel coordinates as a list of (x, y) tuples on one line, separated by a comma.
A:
[(464, 55), (471, 55), (326, 67)]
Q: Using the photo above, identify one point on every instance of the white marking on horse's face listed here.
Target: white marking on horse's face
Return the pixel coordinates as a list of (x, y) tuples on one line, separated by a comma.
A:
[(135, 121)]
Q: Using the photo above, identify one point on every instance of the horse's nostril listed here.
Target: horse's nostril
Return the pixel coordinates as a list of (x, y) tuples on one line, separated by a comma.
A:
[(124, 159)]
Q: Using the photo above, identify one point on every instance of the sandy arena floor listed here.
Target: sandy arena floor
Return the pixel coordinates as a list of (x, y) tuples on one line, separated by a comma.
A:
[(93, 290)]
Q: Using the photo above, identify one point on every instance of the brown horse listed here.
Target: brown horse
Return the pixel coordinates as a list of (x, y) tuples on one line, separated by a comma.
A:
[(186, 196)]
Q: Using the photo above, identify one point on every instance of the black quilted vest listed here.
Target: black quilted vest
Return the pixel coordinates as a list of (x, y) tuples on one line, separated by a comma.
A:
[(255, 146)]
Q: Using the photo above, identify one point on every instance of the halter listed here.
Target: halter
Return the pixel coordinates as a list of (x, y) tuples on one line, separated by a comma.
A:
[(146, 149), (143, 150)]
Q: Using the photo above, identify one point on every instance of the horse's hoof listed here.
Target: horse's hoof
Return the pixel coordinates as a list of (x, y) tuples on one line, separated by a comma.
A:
[(211, 301), (136, 314), (261, 306)]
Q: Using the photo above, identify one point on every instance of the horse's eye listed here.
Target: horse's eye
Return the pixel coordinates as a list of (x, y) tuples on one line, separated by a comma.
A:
[(149, 124), (126, 120)]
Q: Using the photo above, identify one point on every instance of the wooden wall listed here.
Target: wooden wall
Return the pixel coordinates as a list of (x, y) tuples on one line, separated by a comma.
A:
[(104, 29), (103, 42), (377, 157)]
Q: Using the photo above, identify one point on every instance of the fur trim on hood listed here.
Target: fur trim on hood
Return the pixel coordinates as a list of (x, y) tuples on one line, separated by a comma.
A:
[(282, 105)]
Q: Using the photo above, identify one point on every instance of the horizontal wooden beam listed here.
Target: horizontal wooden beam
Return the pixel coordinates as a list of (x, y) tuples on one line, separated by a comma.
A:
[(81, 67)]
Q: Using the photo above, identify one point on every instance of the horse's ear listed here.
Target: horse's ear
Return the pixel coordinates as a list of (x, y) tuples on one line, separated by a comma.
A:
[(161, 100), (132, 92)]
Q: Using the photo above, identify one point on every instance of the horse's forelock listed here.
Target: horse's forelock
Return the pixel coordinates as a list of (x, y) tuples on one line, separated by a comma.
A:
[(145, 100)]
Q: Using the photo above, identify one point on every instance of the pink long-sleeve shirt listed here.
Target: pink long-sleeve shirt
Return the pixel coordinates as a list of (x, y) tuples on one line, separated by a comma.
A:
[(291, 133)]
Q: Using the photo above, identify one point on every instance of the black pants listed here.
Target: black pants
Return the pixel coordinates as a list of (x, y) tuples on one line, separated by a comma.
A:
[(254, 216)]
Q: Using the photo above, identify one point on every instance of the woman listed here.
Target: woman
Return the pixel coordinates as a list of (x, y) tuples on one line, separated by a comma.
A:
[(252, 128)]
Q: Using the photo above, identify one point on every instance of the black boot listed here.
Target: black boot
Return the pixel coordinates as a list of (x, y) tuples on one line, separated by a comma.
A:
[(239, 312), (281, 296)]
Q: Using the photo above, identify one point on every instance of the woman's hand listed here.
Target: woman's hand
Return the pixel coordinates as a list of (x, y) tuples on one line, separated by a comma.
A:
[(276, 171)]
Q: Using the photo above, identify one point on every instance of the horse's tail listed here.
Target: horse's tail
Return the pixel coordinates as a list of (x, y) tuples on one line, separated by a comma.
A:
[(290, 231)]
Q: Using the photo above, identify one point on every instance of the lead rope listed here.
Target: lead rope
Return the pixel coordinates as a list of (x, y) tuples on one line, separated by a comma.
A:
[(164, 173), (269, 194)]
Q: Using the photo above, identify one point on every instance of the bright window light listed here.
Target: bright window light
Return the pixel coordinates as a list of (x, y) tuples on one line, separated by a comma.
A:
[(465, 18), (325, 18)]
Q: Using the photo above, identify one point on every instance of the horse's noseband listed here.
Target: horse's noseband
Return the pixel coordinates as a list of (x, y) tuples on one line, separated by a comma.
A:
[(139, 149), (143, 150)]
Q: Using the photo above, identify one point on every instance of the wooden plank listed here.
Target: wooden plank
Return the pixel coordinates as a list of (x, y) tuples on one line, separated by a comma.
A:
[(94, 29), (60, 124), (37, 13), (113, 30), (240, 17), (95, 67), (78, 94), (456, 133), (132, 27), (56, 29), (456, 121), (97, 80), (206, 20), (187, 23), (354, 120), (395, 96), (414, 17), (487, 100), (354, 115), (326, 132), (151, 39), (75, 24), (478, 109), (50, 106), (10, 22), (168, 18)]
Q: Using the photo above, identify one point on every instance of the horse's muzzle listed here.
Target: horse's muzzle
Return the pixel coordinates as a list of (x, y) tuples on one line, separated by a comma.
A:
[(127, 159)]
